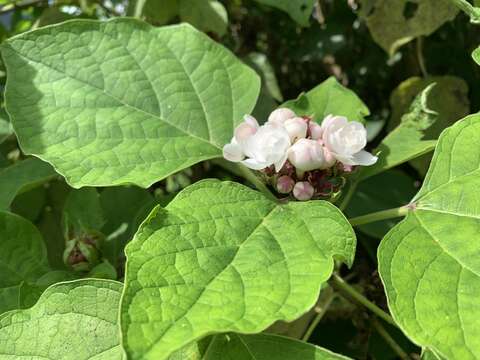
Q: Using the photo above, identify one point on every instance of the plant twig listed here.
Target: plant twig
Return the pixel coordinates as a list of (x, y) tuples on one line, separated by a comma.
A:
[(345, 289), (389, 340), (250, 176), (321, 310), (380, 215)]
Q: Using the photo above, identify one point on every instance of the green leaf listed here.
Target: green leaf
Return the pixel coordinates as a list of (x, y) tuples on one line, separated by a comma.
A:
[(329, 98), (121, 205), (398, 190), (428, 354), (476, 55), (222, 257), (448, 98), (5, 127), (83, 211), (205, 15), (265, 347), (406, 142), (124, 102), (299, 10), (394, 23), (429, 263), (72, 320), (159, 12), (23, 259), (21, 177)]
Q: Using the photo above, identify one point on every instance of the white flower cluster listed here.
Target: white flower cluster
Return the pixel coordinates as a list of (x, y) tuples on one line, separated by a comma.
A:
[(300, 142)]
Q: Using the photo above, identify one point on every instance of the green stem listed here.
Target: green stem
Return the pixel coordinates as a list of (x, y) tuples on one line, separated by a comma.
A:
[(348, 196), (259, 184), (321, 310), (242, 171), (380, 215), (389, 340), (344, 288), (468, 9), (139, 4)]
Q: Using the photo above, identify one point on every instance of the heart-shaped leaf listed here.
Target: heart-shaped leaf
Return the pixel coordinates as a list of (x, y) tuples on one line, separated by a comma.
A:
[(72, 320), (429, 263), (123, 102), (222, 257), (329, 98), (394, 23)]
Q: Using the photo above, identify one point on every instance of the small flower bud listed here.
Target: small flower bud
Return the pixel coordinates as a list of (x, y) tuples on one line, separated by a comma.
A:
[(307, 155), (316, 131), (303, 191), (281, 115), (285, 184), (296, 128)]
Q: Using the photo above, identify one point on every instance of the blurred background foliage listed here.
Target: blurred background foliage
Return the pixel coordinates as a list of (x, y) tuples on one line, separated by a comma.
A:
[(387, 51)]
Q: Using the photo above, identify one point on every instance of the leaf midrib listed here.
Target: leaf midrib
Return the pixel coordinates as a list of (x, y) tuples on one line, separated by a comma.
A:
[(119, 101)]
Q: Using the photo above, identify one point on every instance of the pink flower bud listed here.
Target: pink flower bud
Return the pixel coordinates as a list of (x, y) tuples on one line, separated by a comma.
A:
[(307, 155), (316, 131), (285, 184), (281, 115), (296, 128), (303, 191)]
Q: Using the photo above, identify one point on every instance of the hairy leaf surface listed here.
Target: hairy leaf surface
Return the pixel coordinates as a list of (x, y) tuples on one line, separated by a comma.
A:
[(72, 320), (222, 257), (123, 102), (429, 263)]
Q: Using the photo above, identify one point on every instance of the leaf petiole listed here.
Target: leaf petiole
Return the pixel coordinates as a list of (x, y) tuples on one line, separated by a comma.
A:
[(345, 289), (389, 340), (380, 215)]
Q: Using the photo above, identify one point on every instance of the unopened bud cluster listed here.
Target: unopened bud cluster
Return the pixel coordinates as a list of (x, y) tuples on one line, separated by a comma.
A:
[(298, 155)]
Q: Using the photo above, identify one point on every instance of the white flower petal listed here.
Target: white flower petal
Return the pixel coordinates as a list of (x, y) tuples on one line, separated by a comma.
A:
[(279, 164), (233, 152), (364, 158), (250, 120), (281, 115), (254, 164)]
